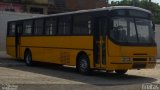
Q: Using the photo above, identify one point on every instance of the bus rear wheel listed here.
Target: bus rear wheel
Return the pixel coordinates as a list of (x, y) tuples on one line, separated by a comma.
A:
[(121, 72), (28, 58), (83, 65)]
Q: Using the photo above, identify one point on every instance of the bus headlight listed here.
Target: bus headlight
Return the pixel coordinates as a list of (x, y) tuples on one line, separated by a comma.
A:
[(125, 59)]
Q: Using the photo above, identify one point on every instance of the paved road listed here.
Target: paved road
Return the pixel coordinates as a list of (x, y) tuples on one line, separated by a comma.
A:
[(14, 74)]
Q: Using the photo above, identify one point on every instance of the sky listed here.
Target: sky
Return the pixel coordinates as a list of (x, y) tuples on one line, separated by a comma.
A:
[(156, 1)]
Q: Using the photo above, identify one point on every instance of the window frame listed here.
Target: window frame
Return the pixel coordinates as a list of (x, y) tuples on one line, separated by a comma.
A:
[(8, 29), (91, 24), (43, 27), (32, 28), (137, 30), (71, 25), (126, 43), (111, 15), (56, 26)]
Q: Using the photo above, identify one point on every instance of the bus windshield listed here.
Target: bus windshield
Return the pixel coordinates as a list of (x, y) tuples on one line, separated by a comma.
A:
[(132, 30)]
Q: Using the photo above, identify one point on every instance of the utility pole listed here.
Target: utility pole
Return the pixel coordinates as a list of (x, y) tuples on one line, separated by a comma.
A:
[(149, 6), (133, 2), (107, 1)]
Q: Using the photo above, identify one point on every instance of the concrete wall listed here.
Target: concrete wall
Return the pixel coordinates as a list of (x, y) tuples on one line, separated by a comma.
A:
[(4, 18), (157, 38)]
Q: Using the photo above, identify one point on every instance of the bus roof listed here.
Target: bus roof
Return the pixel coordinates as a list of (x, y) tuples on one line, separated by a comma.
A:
[(92, 10), (102, 9)]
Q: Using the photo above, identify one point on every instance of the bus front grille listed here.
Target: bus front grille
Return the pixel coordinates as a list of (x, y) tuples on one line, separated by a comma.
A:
[(139, 59), (139, 65)]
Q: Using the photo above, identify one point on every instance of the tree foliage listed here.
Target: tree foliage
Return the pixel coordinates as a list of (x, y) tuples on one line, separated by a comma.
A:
[(153, 7)]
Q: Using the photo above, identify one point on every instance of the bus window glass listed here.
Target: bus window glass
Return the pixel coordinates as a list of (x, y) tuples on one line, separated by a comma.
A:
[(144, 30), (128, 30), (27, 27), (38, 27), (132, 35), (50, 26), (12, 28), (64, 26), (119, 31), (82, 25)]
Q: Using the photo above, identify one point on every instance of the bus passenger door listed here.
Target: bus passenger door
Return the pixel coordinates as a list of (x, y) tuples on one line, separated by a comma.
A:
[(100, 31), (18, 31)]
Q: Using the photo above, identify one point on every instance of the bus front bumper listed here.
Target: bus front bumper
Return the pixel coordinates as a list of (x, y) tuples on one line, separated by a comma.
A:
[(133, 63)]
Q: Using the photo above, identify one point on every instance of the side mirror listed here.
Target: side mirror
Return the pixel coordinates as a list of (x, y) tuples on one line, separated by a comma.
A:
[(153, 27)]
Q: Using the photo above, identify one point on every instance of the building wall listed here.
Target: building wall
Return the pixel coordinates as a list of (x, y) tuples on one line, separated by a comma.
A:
[(30, 6), (50, 6), (157, 36), (40, 1), (85, 4), (13, 7), (44, 9), (4, 18)]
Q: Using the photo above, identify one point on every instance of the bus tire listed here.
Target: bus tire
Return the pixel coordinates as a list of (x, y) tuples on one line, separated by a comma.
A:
[(83, 65), (28, 58), (121, 72)]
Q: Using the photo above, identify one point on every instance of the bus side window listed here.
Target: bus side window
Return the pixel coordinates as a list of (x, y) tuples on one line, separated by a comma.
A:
[(50, 26), (64, 25), (27, 27), (11, 29), (38, 27), (82, 24)]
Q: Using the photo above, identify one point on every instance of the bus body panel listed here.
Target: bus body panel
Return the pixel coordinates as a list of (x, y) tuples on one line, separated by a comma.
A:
[(10, 46), (113, 49), (57, 56), (66, 42), (138, 51), (124, 51), (135, 54), (53, 50)]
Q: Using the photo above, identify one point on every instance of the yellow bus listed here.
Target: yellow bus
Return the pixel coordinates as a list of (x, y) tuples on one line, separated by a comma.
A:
[(117, 38)]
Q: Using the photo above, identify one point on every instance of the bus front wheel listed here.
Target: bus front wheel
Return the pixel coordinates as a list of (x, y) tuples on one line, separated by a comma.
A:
[(121, 72), (83, 65), (28, 58)]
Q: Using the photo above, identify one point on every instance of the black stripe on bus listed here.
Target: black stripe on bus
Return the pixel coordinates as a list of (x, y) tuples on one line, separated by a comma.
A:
[(51, 47), (121, 63), (10, 45), (57, 47)]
